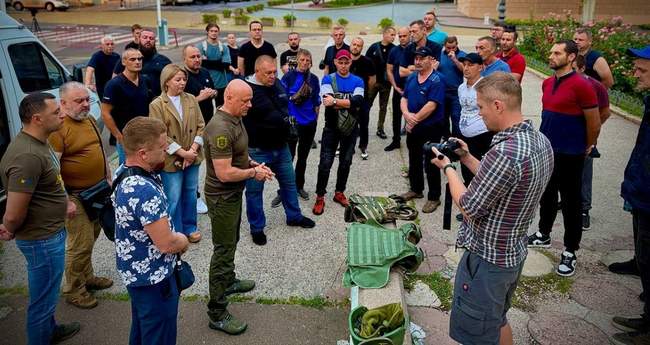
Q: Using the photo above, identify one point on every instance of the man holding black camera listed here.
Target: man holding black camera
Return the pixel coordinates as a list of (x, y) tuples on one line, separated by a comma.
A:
[(498, 207), (422, 107)]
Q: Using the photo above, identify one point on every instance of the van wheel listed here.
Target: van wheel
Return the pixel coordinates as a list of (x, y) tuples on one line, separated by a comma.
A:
[(49, 7), (18, 6)]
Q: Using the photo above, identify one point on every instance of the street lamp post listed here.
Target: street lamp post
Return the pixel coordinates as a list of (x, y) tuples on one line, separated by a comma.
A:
[(501, 9)]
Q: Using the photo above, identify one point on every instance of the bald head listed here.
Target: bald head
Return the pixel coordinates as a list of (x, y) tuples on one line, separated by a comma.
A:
[(237, 98), (403, 35), (192, 58)]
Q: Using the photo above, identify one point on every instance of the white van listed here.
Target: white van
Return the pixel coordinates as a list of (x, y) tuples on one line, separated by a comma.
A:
[(26, 66)]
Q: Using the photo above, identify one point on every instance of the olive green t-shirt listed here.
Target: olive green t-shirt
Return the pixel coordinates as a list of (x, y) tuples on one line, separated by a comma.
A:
[(224, 137), (30, 166)]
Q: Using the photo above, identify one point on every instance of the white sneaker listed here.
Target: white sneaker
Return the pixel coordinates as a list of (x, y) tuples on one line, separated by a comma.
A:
[(567, 266), (201, 207)]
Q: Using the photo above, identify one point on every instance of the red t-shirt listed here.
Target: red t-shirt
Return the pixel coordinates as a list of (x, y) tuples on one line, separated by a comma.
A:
[(515, 61)]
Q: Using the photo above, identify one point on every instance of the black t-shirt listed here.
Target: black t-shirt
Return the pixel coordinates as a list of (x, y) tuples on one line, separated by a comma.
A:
[(103, 65), (234, 53), (250, 53), (289, 56), (128, 100), (151, 68), (197, 82), (132, 45), (330, 54), (364, 69), (378, 53)]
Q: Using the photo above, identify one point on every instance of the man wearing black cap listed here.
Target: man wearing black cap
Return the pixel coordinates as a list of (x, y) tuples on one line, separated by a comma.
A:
[(472, 128), (635, 190), (423, 109)]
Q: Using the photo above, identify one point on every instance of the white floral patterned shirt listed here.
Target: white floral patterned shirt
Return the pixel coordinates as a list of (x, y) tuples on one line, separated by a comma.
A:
[(140, 201)]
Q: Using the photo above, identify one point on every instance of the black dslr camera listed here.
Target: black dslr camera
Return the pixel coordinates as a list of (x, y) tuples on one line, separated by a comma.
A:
[(446, 148)]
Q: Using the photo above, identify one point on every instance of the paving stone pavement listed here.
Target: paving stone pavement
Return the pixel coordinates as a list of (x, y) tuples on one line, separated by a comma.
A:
[(308, 263)]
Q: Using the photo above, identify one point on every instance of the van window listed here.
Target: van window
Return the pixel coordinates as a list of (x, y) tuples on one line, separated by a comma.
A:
[(35, 69)]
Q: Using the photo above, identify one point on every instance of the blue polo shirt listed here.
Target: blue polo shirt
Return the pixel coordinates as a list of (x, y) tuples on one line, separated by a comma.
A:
[(395, 58), (564, 100), (453, 76), (128, 100), (497, 66), (431, 90), (438, 36)]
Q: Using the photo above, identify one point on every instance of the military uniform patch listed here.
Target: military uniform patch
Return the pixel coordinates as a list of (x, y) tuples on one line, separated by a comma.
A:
[(221, 142)]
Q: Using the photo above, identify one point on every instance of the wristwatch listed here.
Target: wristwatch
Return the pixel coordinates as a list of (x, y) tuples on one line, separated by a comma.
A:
[(334, 103), (444, 169)]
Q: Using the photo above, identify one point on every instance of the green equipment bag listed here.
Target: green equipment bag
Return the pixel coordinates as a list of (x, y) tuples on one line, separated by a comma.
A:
[(373, 250), (378, 208), (385, 325), (346, 120)]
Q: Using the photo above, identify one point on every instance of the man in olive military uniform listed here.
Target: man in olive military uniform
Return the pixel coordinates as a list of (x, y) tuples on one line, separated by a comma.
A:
[(228, 168)]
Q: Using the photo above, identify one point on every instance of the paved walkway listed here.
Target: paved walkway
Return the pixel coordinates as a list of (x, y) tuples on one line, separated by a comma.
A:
[(309, 263)]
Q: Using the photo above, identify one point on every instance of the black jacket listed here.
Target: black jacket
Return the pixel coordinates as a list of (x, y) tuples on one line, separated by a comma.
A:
[(267, 120)]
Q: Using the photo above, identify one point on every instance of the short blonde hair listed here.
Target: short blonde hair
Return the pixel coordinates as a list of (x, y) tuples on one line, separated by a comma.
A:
[(142, 132), (500, 86), (168, 72)]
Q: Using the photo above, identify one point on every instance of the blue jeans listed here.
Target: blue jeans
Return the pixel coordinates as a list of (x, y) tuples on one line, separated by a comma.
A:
[(154, 313), (280, 162), (45, 264), (121, 155), (180, 189)]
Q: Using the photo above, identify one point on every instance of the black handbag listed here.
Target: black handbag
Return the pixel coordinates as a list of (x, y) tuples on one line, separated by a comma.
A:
[(94, 199), (183, 274)]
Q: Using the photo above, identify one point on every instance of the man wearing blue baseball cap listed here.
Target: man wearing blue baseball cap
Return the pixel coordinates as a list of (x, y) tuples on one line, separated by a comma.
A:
[(635, 190)]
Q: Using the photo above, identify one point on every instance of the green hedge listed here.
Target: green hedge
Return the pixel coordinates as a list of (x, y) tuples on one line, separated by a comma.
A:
[(385, 23), (348, 3), (210, 18), (611, 38), (283, 2)]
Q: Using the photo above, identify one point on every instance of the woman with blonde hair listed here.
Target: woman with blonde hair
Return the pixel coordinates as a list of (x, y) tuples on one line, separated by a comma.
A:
[(180, 176)]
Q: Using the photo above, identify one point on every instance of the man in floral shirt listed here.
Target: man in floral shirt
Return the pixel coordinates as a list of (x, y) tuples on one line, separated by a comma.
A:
[(145, 241)]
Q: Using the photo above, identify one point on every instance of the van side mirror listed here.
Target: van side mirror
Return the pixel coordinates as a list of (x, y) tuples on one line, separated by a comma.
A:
[(78, 72)]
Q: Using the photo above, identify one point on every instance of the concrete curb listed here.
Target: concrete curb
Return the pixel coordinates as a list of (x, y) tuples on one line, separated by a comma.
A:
[(614, 109)]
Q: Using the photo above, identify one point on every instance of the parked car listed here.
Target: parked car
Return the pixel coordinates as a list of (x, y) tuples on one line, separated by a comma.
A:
[(27, 66), (48, 5)]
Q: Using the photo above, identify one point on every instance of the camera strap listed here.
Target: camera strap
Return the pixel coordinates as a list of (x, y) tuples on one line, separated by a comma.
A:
[(446, 216)]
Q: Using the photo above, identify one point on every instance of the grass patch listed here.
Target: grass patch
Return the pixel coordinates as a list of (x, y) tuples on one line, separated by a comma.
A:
[(531, 289), (437, 283), (317, 302), (120, 296), (239, 298), (18, 290)]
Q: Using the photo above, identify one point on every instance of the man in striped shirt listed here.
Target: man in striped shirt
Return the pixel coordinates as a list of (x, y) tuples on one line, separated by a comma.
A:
[(498, 207)]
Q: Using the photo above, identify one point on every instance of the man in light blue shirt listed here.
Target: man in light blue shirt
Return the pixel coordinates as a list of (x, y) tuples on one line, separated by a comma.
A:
[(216, 59), (486, 47)]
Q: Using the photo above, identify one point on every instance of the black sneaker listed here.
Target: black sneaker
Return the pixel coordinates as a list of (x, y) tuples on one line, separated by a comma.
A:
[(304, 222), (459, 217), (631, 338), (259, 238), (586, 221), (539, 240), (626, 267), (392, 146), (64, 331), (629, 325), (381, 134), (567, 266), (277, 201), (303, 194)]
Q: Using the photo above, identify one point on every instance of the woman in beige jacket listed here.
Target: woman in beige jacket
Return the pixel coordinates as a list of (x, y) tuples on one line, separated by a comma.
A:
[(181, 114)]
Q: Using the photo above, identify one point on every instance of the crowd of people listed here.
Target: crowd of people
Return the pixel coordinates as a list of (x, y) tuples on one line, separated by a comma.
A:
[(227, 106)]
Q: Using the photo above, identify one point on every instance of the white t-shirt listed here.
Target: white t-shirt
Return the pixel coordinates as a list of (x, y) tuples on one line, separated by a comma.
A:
[(471, 123), (176, 101)]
